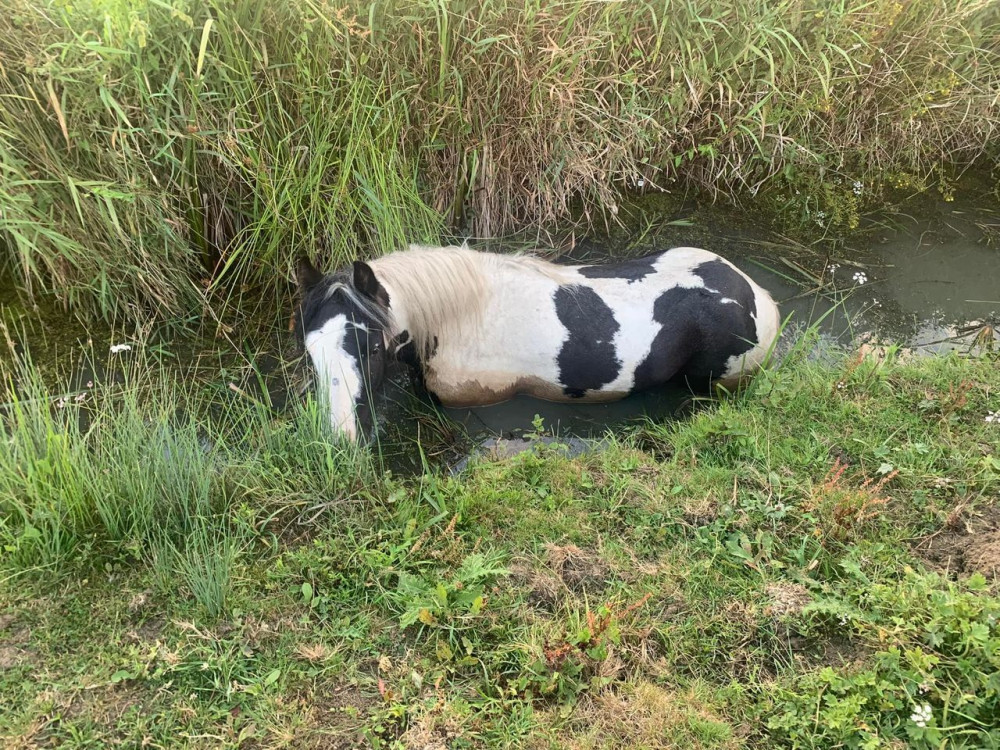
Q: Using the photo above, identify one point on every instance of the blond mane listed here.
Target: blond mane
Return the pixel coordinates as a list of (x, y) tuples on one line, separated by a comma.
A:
[(444, 290)]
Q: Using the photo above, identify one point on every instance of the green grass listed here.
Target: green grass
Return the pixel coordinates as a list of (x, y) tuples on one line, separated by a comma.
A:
[(809, 564), (804, 565), (148, 150)]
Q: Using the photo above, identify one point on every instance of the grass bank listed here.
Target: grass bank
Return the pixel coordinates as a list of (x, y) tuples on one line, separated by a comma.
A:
[(149, 149), (812, 564)]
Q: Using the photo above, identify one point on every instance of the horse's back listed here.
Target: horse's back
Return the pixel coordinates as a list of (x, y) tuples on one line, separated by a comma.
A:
[(737, 319), (712, 322), (600, 332)]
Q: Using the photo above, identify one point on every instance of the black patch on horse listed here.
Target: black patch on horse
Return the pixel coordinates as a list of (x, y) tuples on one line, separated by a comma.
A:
[(633, 270), (587, 359), (404, 349), (723, 278), (318, 306), (698, 333), (366, 282)]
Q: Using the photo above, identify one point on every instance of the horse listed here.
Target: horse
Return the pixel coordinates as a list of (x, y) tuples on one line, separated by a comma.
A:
[(479, 328)]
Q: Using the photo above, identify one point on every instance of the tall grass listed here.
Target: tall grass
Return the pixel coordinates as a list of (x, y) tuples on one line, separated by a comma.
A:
[(149, 149), (156, 470)]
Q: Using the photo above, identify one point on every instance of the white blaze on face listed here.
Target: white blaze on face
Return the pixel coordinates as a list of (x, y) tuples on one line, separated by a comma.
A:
[(338, 373)]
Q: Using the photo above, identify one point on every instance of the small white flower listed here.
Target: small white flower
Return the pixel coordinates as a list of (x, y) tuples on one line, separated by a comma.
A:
[(860, 277), (922, 714), (117, 348), (841, 385), (834, 267), (924, 688), (640, 182), (993, 416), (821, 214), (61, 403), (843, 619), (90, 383), (858, 187)]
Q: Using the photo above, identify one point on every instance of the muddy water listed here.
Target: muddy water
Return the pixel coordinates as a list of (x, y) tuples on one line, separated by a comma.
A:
[(929, 278)]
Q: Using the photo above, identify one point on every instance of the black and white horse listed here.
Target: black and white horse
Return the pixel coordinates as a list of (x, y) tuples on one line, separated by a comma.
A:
[(481, 328)]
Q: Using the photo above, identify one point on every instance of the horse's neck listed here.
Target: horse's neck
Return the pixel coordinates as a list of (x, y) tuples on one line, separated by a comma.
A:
[(447, 292), (435, 292)]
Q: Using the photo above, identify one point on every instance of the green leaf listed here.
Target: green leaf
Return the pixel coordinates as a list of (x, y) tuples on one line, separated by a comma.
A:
[(976, 582), (30, 532), (272, 677), (441, 594), (307, 592)]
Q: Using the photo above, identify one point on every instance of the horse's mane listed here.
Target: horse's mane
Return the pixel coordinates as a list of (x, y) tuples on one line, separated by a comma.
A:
[(341, 283), (444, 289)]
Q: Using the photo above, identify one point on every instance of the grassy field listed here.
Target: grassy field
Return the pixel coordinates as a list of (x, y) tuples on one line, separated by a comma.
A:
[(811, 564), (151, 151)]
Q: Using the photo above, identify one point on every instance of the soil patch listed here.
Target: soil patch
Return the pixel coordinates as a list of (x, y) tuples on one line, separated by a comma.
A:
[(580, 570), (787, 598), (332, 717), (12, 657), (965, 545)]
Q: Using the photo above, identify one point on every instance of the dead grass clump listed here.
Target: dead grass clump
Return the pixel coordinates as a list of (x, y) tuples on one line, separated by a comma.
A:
[(435, 728), (543, 586), (579, 570), (644, 715), (786, 598)]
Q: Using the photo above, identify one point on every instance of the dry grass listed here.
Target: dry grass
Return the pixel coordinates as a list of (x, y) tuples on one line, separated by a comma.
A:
[(645, 715)]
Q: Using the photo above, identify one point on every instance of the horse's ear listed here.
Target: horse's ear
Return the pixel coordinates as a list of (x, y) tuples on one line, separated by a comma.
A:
[(306, 275), (366, 283)]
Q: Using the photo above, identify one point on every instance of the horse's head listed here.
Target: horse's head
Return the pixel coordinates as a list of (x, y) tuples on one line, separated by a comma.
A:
[(343, 322)]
